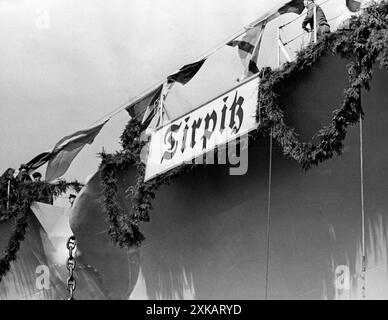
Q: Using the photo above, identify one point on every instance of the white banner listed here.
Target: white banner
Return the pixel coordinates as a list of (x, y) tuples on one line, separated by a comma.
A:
[(202, 130)]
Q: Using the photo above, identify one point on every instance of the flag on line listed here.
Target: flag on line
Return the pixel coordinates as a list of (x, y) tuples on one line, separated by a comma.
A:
[(38, 161), (159, 116), (156, 118), (152, 104), (61, 156), (294, 6), (186, 73), (146, 104), (249, 44), (353, 5), (67, 149)]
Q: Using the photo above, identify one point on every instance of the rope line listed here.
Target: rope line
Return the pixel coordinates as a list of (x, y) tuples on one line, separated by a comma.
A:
[(268, 216), (304, 32), (210, 52), (300, 16), (363, 250)]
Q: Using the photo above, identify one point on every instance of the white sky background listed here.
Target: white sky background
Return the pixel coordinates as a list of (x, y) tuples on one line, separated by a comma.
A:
[(96, 54)]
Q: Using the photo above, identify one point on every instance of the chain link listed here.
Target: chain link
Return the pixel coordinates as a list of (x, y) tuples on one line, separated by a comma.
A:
[(70, 265)]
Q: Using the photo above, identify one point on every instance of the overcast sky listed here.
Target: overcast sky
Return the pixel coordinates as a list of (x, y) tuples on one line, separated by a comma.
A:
[(66, 63)]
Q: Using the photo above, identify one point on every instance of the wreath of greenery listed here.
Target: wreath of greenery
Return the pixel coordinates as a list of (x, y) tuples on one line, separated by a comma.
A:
[(16, 206), (367, 43), (124, 229)]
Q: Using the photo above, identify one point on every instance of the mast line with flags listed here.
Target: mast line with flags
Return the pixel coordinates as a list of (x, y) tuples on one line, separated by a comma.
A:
[(210, 52), (103, 120), (140, 96), (183, 78)]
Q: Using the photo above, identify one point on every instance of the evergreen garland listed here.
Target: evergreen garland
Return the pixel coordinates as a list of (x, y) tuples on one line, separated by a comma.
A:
[(22, 195), (366, 43), (124, 230)]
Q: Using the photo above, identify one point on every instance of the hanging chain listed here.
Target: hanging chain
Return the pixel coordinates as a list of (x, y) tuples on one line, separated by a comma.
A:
[(70, 264)]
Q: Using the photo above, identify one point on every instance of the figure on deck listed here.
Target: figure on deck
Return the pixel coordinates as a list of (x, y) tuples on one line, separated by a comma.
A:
[(72, 199), (23, 175), (37, 176), (323, 27)]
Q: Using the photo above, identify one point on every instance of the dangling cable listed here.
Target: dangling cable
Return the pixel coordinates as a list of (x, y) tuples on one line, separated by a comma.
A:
[(268, 215), (139, 96), (363, 249)]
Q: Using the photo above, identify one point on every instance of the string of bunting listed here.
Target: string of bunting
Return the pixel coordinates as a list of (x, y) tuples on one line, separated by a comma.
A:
[(365, 42)]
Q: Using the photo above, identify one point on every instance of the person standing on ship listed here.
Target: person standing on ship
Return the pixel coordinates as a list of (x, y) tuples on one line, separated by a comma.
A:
[(323, 27)]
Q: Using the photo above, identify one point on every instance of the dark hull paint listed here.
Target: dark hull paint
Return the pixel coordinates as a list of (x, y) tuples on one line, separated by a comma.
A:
[(207, 234)]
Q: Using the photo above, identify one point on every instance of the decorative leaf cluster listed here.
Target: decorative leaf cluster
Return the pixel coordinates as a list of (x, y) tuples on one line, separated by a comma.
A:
[(365, 43), (21, 196), (124, 229)]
